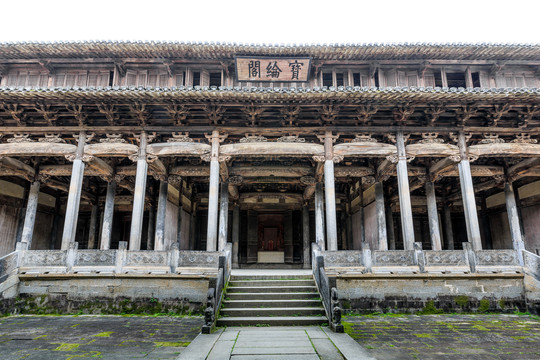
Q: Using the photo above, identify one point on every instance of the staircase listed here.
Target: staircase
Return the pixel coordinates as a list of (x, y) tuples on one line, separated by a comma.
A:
[(271, 300)]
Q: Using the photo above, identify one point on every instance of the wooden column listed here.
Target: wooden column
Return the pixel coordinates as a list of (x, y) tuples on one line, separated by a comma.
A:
[(381, 216), (74, 196), (108, 215), (223, 217), (407, 227), (252, 236), (513, 220), (213, 193), (159, 237), (56, 220), (135, 234), (433, 217), (390, 228), (235, 234), (151, 231), (448, 231), (467, 193), (319, 216), (30, 216), (361, 215), (330, 192), (305, 237), (182, 243), (288, 236), (93, 226)]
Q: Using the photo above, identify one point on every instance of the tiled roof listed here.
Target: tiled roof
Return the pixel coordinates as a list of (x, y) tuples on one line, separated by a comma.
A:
[(266, 94), (205, 50)]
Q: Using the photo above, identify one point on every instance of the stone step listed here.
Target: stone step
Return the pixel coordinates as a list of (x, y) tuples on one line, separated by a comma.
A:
[(272, 321), (275, 282), (272, 296), (270, 289), (272, 311), (262, 303), (271, 277)]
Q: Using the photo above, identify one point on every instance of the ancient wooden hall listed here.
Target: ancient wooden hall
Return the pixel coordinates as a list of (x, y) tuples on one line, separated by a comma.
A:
[(386, 150)]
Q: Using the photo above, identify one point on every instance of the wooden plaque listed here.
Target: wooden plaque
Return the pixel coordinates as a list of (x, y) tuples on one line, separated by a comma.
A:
[(272, 69)]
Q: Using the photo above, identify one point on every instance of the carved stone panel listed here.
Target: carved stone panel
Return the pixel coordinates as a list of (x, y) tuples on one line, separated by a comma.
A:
[(44, 258), (496, 257), (393, 258), (342, 258), (199, 259), (95, 258), (445, 258), (147, 258)]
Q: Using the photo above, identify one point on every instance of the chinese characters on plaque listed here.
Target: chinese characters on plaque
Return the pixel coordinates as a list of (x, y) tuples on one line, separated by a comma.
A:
[(272, 69)]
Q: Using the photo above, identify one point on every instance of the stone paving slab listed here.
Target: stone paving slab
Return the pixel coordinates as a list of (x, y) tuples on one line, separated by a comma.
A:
[(434, 337), (96, 337)]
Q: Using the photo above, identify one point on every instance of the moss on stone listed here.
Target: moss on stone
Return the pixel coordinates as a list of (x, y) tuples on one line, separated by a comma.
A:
[(462, 300), (484, 306), (430, 309)]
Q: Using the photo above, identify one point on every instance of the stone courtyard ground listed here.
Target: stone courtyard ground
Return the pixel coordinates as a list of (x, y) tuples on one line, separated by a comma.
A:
[(472, 337), (448, 337)]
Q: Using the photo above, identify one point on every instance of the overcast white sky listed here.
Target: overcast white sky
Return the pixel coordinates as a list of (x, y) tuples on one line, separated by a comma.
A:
[(273, 21)]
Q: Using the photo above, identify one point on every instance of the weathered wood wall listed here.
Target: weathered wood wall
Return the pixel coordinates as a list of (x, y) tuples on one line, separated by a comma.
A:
[(531, 227), (8, 228)]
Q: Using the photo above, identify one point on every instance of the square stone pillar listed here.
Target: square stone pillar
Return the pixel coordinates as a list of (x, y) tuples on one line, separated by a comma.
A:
[(467, 193), (74, 196), (108, 215), (135, 234), (30, 216), (407, 227)]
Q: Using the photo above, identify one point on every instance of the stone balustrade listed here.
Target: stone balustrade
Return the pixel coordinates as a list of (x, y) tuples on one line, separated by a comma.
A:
[(121, 261), (420, 261)]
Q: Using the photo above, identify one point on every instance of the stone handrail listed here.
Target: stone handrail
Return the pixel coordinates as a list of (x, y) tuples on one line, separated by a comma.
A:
[(420, 261), (215, 291), (327, 289), (8, 263), (121, 261), (531, 264)]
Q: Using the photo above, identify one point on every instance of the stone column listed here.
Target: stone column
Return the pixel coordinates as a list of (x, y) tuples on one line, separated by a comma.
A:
[(30, 217), (467, 193), (159, 238), (74, 196), (381, 216), (319, 216), (235, 234), (305, 236), (108, 214), (433, 217), (93, 226), (135, 234), (407, 227), (330, 192), (513, 220), (223, 217), (213, 193)]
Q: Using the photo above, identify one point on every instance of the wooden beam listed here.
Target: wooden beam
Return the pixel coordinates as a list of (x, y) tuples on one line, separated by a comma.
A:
[(522, 168), (278, 171), (58, 185), (17, 168), (441, 166), (100, 167)]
